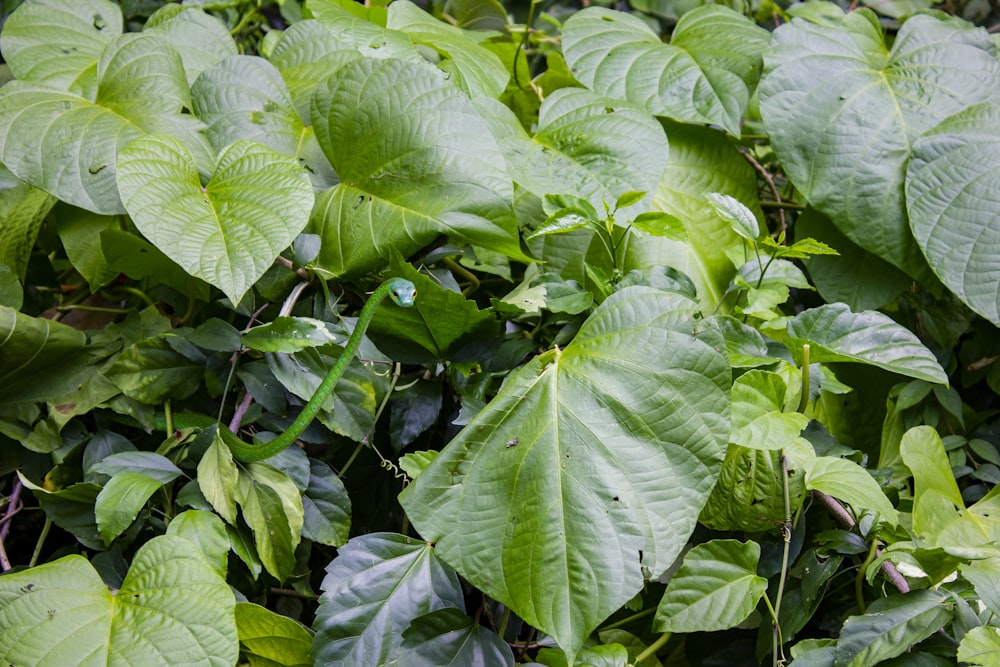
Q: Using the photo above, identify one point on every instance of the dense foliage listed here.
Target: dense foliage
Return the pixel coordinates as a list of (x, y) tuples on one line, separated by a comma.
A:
[(701, 369)]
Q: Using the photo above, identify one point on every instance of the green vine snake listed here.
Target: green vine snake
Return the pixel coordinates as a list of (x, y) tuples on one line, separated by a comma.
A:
[(401, 291)]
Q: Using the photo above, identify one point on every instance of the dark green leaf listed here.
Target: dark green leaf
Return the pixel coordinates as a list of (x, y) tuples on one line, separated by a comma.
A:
[(373, 590), (449, 638), (890, 626)]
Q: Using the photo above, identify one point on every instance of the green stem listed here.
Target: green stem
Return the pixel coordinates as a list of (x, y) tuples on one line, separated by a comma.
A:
[(651, 650), (786, 533), (804, 397), (502, 630), (41, 540), (859, 578), (629, 619)]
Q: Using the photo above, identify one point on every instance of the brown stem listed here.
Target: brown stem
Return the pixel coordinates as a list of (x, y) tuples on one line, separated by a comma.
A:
[(845, 518)]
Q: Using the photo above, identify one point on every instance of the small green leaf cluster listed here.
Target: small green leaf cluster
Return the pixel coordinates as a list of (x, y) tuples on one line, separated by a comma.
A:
[(701, 370)]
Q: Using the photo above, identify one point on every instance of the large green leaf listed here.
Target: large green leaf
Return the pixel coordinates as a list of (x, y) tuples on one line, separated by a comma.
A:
[(834, 333), (585, 145), (471, 67), (889, 627), (857, 277), (68, 144), (172, 609), (415, 161), (587, 456), (951, 181), (58, 42), (228, 232), (716, 588), (843, 111), (201, 39), (705, 74), (373, 590), (702, 160)]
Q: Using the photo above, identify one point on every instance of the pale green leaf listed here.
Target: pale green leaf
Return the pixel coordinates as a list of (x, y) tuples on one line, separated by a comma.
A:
[(272, 507), (228, 232), (206, 531), (985, 576), (935, 491), (217, 479), (740, 218), (68, 145), (172, 608), (834, 333), (309, 51), (244, 97), (201, 39), (449, 638), (859, 278), (889, 627), (705, 74), (847, 481), (415, 161), (414, 463), (289, 334), (58, 42), (980, 646), (599, 427), (758, 417), (701, 160), (950, 185), (842, 111), (715, 588), (466, 64), (592, 147), (267, 638), (373, 590)]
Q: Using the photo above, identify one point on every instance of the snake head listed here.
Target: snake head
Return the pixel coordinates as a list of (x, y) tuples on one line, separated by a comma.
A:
[(403, 292)]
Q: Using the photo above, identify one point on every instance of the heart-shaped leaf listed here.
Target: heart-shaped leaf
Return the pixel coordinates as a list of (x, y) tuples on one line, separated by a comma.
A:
[(832, 92), (701, 160), (415, 161), (373, 590), (229, 231), (201, 39), (58, 42), (705, 74), (172, 608), (586, 457), (758, 417), (141, 88), (951, 179), (588, 145)]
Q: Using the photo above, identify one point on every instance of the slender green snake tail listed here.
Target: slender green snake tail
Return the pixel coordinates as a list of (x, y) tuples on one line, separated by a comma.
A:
[(401, 291)]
